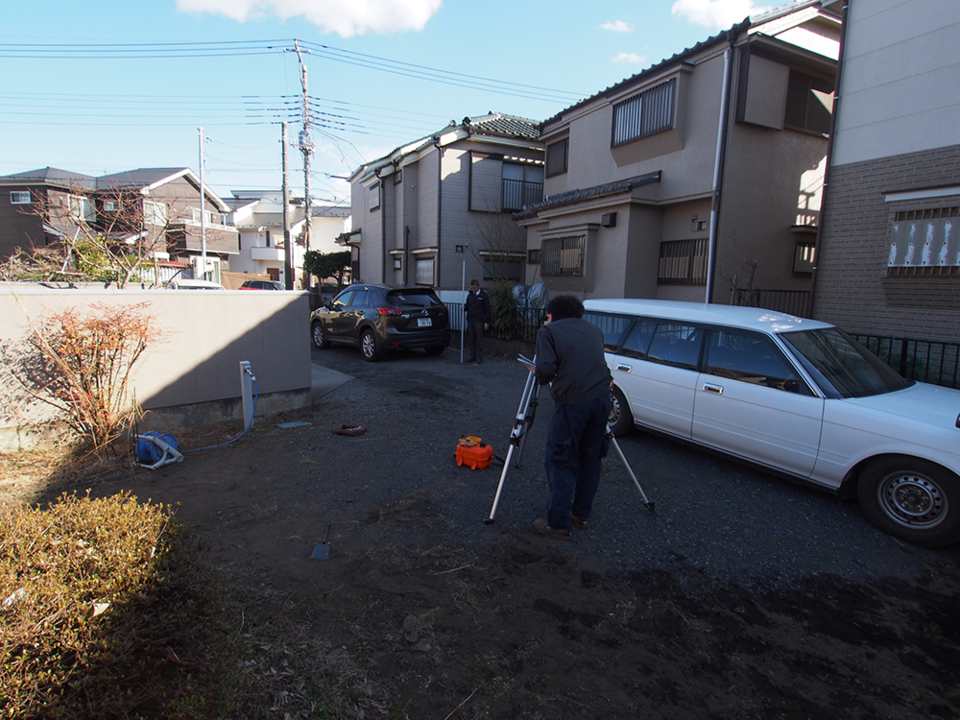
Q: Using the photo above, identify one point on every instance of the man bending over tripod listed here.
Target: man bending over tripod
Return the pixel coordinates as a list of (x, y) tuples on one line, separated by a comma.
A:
[(570, 358)]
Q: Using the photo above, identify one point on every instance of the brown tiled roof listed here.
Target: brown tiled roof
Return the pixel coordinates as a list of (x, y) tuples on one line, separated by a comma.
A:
[(573, 196), (499, 124)]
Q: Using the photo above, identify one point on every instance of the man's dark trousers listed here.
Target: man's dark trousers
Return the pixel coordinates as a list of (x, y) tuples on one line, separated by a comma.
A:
[(576, 443), (475, 339)]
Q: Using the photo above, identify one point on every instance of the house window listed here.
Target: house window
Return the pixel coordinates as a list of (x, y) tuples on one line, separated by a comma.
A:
[(644, 114), (21, 197), (80, 208), (809, 103), (925, 242), (425, 271), (683, 262), (111, 206), (563, 256), (374, 197), (533, 256), (522, 185), (501, 266), (154, 213), (804, 256), (557, 154)]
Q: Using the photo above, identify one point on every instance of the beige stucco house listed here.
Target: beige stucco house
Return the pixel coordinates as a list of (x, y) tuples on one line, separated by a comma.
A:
[(699, 178), (438, 209)]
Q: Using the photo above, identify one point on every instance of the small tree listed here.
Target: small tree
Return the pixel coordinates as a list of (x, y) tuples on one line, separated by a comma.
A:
[(324, 265), (81, 364)]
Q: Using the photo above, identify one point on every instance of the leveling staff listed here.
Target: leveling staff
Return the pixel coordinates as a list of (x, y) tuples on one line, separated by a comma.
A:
[(570, 358)]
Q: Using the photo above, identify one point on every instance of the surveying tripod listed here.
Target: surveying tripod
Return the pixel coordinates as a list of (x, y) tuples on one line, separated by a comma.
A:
[(526, 412)]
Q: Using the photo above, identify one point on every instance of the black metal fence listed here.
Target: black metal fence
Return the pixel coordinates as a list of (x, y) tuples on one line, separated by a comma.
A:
[(792, 302), (924, 360)]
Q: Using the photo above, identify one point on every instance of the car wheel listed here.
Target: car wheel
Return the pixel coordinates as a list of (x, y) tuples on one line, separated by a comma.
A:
[(435, 349), (319, 337), (620, 420), (912, 499), (368, 346)]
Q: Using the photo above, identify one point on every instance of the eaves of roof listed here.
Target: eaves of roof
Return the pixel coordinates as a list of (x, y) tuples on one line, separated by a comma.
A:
[(725, 36), (580, 194)]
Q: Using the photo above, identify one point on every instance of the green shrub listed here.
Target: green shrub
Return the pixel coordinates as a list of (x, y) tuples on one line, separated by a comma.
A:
[(106, 611)]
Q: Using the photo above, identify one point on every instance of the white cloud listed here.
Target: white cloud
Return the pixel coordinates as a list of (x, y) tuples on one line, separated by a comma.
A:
[(617, 26), (717, 13), (355, 17), (630, 58)]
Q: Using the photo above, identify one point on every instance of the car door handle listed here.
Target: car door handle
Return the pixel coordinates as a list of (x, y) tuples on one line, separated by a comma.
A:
[(715, 389), (625, 368)]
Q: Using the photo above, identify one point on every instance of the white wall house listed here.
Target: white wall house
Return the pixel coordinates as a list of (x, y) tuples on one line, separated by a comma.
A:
[(258, 215)]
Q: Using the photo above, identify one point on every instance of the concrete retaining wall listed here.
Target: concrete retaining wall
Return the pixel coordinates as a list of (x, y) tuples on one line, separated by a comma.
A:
[(193, 376)]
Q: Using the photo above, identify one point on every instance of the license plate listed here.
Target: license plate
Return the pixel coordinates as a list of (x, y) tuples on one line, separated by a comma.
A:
[(424, 322)]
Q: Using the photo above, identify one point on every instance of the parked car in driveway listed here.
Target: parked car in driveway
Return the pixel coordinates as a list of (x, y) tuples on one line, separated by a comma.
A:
[(263, 285), (378, 318), (796, 396)]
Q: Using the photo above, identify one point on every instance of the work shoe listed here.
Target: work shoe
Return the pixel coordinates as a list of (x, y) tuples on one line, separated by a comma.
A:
[(541, 527), (581, 523)]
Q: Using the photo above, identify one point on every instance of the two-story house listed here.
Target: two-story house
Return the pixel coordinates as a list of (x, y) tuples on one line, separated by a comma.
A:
[(160, 210), (699, 178), (889, 255), (258, 216), (438, 209)]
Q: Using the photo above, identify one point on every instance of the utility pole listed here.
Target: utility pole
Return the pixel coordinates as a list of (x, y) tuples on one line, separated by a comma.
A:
[(306, 147), (203, 219), (287, 244)]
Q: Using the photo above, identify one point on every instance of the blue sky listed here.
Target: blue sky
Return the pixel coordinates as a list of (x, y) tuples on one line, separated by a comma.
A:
[(111, 85)]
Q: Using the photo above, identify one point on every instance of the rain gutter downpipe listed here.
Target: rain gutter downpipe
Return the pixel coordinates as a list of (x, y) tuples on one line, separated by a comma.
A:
[(436, 270), (828, 166), (718, 166)]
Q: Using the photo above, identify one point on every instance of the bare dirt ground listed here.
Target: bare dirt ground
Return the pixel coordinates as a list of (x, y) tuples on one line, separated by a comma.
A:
[(741, 597)]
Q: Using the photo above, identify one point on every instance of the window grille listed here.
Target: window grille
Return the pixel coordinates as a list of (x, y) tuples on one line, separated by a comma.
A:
[(644, 114), (925, 242), (557, 154), (563, 256), (683, 262)]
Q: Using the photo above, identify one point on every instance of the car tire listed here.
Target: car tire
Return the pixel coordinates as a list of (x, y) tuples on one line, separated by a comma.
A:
[(368, 345), (912, 499), (318, 335), (435, 349), (620, 419)]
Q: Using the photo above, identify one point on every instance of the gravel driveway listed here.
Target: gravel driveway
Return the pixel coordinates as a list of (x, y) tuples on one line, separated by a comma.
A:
[(713, 517)]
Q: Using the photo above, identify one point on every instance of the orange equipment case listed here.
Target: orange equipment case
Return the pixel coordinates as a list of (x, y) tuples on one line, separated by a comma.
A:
[(474, 453)]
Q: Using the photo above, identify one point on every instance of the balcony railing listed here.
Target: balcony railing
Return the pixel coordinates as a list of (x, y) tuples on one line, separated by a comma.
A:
[(518, 194)]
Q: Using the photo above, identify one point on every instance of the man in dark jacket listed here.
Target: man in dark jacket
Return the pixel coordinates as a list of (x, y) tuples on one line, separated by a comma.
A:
[(477, 308), (570, 358)]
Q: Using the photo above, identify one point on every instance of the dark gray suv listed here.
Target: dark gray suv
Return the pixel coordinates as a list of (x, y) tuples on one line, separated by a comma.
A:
[(378, 318)]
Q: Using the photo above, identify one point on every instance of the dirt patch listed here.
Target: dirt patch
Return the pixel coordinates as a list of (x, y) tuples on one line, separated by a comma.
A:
[(422, 611)]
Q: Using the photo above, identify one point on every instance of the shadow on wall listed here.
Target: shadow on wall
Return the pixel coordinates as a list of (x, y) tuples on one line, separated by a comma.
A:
[(193, 376)]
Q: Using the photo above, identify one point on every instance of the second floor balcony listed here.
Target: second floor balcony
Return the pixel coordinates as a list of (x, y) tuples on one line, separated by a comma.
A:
[(518, 194)]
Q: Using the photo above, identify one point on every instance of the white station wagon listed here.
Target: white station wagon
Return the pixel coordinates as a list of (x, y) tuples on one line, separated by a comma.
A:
[(796, 396)]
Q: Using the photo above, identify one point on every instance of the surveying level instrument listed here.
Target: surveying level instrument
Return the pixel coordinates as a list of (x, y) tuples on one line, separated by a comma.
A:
[(526, 412)]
